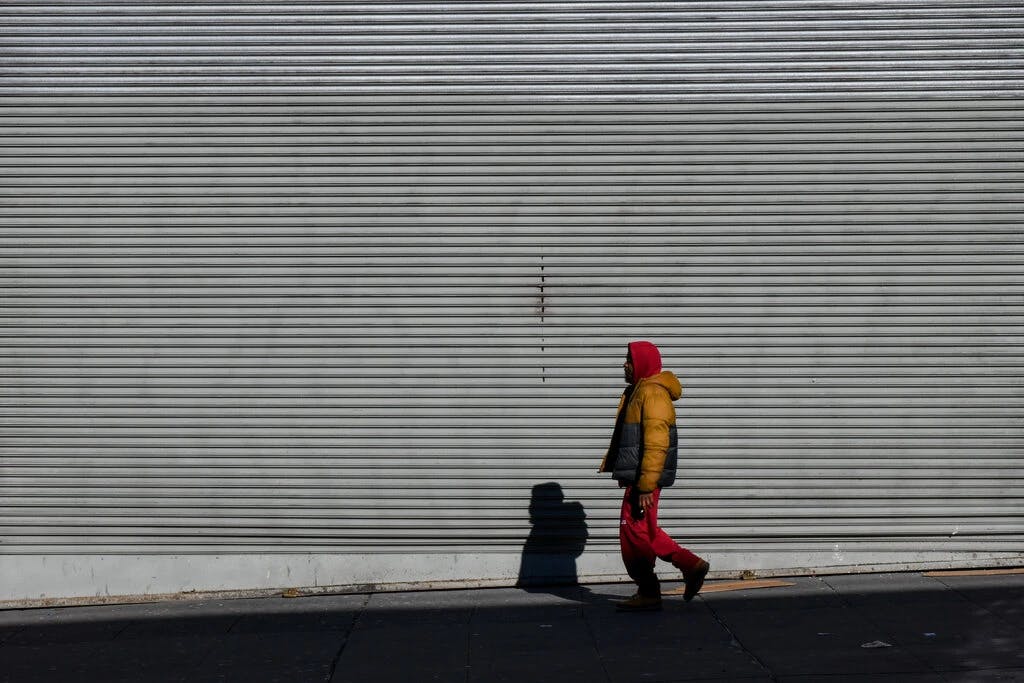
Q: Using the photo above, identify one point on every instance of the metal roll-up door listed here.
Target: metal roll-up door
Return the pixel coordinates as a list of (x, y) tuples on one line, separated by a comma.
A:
[(338, 294)]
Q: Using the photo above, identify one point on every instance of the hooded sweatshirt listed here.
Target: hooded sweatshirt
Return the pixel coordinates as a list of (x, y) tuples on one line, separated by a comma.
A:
[(644, 447)]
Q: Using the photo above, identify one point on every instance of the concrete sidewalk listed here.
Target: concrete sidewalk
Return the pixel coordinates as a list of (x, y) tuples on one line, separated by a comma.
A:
[(892, 627)]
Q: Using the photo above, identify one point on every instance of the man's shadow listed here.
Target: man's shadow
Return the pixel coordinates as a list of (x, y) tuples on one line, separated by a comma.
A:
[(557, 537)]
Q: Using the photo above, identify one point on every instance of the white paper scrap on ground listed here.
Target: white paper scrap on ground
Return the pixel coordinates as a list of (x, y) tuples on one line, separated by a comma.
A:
[(875, 644)]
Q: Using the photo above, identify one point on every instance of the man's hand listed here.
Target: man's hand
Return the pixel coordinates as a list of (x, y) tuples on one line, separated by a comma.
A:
[(646, 500)]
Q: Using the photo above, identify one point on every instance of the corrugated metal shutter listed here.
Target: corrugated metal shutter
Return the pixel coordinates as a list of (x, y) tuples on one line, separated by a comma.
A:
[(353, 279)]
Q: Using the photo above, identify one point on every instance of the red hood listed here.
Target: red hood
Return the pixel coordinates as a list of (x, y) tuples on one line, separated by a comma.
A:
[(646, 359)]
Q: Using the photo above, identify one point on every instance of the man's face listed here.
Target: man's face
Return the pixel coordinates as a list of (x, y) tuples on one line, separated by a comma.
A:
[(627, 368)]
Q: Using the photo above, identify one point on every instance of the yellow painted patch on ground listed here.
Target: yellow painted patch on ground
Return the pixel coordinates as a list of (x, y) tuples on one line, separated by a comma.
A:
[(975, 572), (724, 586)]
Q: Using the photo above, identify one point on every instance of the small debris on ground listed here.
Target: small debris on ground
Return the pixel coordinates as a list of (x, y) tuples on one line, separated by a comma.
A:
[(874, 644)]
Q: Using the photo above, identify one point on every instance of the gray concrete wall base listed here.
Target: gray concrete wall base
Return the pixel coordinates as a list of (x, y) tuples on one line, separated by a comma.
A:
[(29, 581)]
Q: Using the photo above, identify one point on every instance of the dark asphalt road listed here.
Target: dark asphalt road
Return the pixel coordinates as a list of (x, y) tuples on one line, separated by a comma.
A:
[(821, 629)]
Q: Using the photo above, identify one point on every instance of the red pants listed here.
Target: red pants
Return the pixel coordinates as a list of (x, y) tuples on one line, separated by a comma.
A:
[(642, 541)]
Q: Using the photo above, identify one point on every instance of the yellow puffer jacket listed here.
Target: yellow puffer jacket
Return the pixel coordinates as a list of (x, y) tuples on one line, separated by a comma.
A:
[(644, 446)]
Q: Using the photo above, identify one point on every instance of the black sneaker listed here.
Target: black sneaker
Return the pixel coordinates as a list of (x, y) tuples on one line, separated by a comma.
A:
[(695, 580)]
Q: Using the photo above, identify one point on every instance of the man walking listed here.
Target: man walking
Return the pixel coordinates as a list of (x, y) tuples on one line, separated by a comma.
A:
[(642, 458)]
